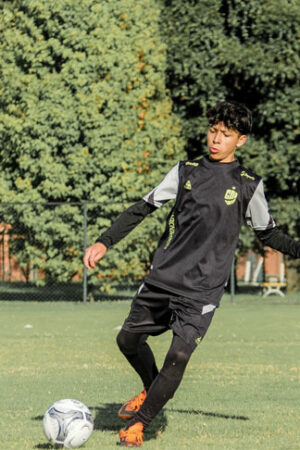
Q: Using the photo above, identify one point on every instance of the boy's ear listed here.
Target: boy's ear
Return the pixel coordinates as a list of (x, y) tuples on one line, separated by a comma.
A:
[(242, 140)]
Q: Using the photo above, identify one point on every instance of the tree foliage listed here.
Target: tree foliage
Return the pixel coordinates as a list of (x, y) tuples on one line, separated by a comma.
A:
[(100, 99), (249, 52), (84, 116)]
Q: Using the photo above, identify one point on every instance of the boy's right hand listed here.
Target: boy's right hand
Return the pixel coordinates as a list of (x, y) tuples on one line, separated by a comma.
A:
[(93, 254)]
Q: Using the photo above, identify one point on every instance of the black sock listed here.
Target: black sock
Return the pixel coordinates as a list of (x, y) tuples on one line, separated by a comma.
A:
[(167, 381)]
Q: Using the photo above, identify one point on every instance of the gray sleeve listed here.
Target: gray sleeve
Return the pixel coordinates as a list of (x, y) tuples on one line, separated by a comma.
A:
[(257, 214), (166, 190)]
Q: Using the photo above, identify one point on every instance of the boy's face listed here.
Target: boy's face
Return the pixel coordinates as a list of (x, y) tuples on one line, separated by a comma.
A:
[(222, 142)]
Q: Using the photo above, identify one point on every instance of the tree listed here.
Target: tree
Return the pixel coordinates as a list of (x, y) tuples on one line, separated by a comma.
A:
[(84, 116), (99, 99), (249, 52)]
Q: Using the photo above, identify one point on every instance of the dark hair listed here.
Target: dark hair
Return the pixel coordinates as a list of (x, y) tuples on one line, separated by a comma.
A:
[(234, 115)]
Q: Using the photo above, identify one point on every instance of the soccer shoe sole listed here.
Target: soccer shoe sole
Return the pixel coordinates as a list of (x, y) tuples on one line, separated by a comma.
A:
[(124, 444), (126, 416)]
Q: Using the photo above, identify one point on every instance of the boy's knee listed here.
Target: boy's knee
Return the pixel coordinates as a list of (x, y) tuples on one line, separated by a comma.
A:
[(127, 342), (180, 357), (121, 340)]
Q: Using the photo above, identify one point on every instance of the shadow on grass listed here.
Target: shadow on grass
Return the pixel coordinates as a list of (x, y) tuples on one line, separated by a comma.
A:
[(209, 414), (106, 419), (53, 446), (46, 445)]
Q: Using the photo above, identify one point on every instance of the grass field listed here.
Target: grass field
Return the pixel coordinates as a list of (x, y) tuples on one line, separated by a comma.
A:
[(240, 390)]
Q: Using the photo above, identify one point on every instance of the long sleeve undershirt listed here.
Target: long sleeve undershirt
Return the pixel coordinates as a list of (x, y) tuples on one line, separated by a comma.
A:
[(131, 217), (280, 241), (126, 222)]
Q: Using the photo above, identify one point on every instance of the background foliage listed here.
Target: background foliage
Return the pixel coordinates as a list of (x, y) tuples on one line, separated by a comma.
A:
[(249, 52), (100, 99), (84, 116)]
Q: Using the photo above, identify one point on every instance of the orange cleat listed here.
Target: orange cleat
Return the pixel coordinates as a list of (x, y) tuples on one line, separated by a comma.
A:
[(132, 436), (131, 407)]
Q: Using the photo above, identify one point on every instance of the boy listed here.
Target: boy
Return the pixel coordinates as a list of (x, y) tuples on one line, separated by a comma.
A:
[(192, 263)]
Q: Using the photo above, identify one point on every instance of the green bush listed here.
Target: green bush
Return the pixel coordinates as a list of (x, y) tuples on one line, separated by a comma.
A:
[(84, 116)]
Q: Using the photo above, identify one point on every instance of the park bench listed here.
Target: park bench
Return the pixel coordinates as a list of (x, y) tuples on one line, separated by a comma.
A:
[(273, 286)]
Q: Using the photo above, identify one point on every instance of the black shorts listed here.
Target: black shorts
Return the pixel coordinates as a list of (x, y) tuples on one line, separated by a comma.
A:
[(154, 311)]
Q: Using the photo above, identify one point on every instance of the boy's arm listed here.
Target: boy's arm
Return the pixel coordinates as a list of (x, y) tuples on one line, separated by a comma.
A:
[(279, 241), (132, 216), (259, 218), (128, 220)]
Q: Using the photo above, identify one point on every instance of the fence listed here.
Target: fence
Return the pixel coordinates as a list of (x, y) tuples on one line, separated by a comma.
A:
[(42, 246), (41, 251)]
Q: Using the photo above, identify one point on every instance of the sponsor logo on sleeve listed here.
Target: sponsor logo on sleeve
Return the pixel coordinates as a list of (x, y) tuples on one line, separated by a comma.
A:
[(190, 163), (246, 175)]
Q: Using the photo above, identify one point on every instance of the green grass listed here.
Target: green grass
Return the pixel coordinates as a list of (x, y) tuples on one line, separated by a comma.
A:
[(240, 390)]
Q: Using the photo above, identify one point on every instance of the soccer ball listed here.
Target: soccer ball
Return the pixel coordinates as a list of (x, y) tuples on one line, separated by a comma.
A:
[(68, 422)]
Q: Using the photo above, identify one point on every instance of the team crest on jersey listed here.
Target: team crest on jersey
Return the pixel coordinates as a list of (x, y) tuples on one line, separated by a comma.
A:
[(230, 196), (188, 185)]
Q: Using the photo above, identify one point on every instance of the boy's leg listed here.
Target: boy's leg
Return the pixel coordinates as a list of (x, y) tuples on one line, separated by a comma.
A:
[(189, 328), (138, 353), (149, 314), (161, 390), (167, 381)]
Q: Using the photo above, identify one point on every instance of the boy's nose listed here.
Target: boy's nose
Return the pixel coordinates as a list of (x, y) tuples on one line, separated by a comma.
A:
[(217, 137)]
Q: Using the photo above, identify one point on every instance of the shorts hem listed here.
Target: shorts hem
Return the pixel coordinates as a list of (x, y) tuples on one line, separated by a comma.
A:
[(144, 330)]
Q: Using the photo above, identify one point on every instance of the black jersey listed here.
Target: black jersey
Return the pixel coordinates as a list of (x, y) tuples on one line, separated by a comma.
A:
[(195, 253)]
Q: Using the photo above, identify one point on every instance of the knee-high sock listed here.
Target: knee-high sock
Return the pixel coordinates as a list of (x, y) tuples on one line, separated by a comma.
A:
[(138, 353), (166, 382)]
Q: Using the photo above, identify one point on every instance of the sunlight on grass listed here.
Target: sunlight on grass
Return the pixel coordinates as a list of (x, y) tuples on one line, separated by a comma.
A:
[(240, 389)]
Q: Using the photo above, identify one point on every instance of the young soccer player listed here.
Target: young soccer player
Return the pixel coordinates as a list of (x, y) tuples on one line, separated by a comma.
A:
[(191, 265)]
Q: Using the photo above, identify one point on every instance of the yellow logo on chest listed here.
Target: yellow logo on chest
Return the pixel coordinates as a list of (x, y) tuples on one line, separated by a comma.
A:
[(230, 196)]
